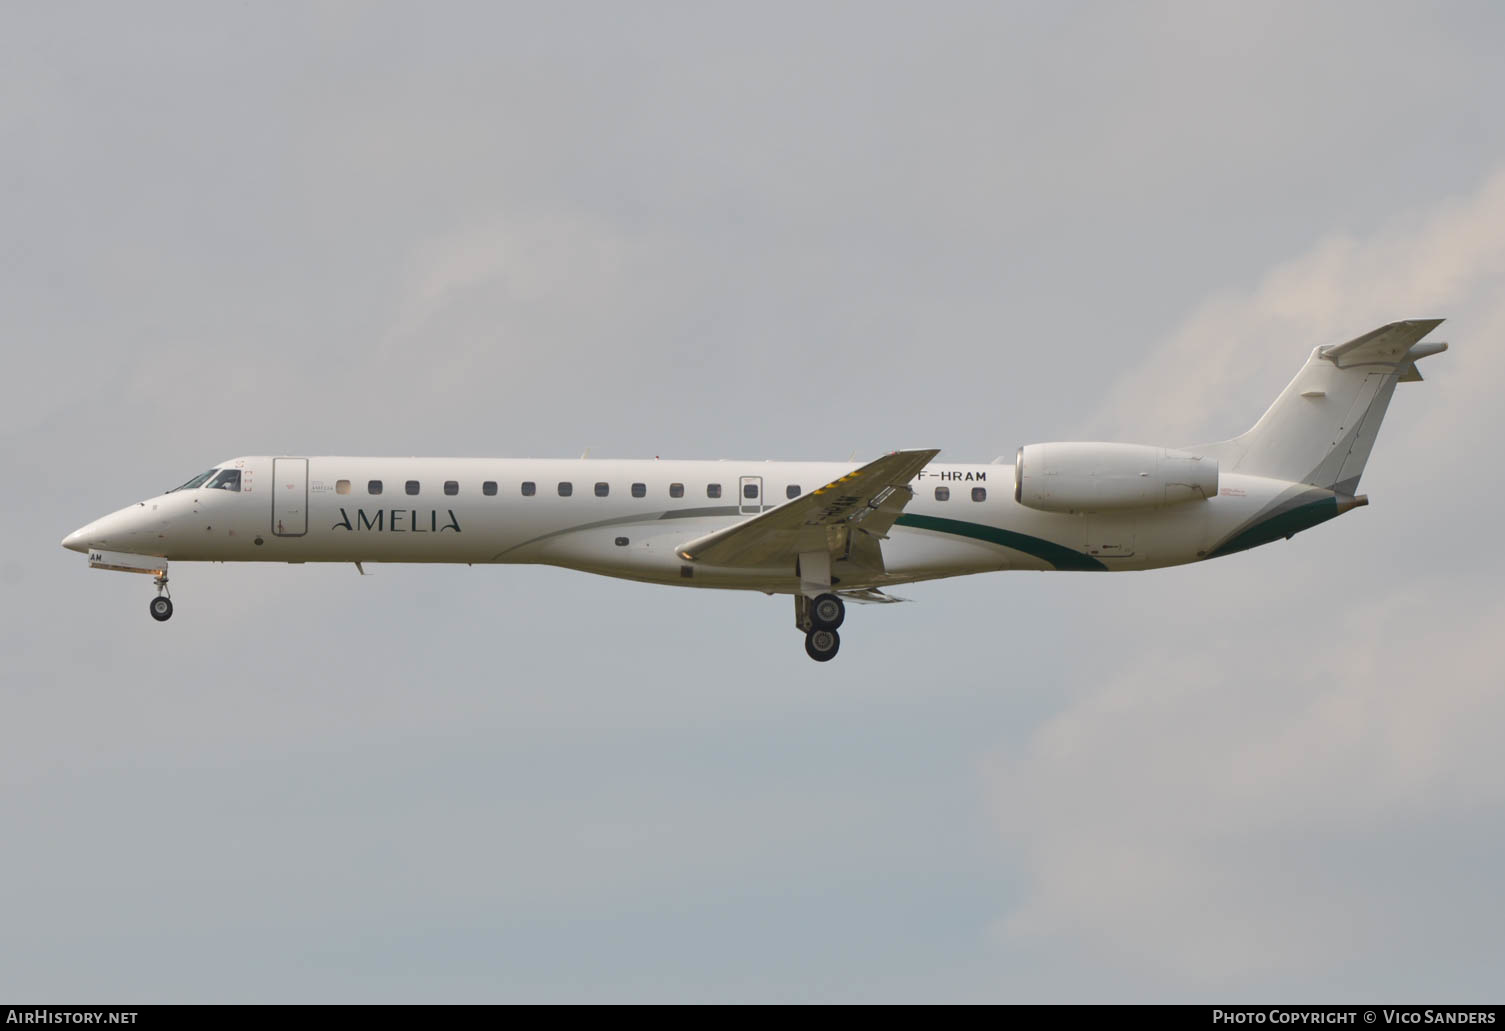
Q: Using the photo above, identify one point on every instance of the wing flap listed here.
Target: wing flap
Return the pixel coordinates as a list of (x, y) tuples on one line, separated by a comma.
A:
[(871, 596)]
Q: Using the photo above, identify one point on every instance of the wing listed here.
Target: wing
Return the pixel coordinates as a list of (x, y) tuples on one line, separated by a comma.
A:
[(857, 509)]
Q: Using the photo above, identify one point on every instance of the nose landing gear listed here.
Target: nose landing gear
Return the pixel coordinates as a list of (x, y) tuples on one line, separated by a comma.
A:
[(161, 606)]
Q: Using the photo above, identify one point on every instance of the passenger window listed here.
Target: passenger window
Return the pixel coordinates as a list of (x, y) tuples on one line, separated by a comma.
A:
[(792, 491), (602, 490), (639, 489), (943, 494), (373, 486), (979, 493), (676, 490), (342, 486), (566, 488), (489, 488), (412, 486), (228, 479), (750, 491), (713, 490), (529, 488), (451, 487)]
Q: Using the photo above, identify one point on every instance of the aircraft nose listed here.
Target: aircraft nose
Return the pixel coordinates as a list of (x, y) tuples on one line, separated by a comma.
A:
[(114, 532), (78, 539)]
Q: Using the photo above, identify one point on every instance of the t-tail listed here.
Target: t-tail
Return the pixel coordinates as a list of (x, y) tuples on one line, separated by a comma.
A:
[(1322, 427)]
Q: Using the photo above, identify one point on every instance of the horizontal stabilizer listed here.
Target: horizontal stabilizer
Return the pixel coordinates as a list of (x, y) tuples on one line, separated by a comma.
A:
[(1387, 345)]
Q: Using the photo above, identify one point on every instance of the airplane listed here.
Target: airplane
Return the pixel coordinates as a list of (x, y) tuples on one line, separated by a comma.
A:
[(824, 532)]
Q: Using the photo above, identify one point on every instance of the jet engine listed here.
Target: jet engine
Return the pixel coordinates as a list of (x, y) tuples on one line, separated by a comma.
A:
[(1093, 477)]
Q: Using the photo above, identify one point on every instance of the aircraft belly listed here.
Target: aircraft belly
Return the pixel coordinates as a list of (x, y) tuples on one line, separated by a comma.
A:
[(1173, 535), (907, 555), (647, 551)]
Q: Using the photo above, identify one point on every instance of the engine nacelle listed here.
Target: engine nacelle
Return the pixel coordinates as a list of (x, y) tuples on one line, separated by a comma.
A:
[(1088, 477)]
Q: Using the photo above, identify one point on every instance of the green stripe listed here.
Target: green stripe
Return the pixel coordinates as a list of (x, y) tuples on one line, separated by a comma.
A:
[(1291, 521), (1057, 555)]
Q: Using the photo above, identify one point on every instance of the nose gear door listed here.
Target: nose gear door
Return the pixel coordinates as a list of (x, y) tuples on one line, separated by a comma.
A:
[(289, 497)]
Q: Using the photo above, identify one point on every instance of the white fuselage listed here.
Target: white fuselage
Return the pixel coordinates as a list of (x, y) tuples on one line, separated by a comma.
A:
[(823, 532), (627, 518)]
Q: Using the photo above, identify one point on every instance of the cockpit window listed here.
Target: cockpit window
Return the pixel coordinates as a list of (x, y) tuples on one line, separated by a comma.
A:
[(197, 481), (228, 479)]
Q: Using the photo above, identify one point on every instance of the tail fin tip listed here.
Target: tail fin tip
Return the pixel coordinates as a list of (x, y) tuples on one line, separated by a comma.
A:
[(1321, 428)]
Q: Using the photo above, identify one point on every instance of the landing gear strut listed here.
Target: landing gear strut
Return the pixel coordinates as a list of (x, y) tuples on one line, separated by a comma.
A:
[(161, 606), (819, 617)]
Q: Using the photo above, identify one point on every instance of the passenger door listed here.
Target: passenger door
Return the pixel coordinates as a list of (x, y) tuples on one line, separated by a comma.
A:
[(289, 497)]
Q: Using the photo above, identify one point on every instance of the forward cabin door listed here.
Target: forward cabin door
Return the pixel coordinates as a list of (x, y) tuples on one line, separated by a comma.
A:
[(289, 497), (750, 495)]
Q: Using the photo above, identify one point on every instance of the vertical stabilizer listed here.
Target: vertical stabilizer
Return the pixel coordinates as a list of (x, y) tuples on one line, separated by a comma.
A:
[(1322, 427)]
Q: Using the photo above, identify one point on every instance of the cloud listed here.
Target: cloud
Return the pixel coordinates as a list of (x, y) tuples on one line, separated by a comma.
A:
[(1178, 815), (1235, 350), (1244, 799), (697, 233)]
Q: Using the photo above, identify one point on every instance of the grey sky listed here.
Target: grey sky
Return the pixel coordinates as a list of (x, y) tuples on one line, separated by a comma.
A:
[(746, 231)]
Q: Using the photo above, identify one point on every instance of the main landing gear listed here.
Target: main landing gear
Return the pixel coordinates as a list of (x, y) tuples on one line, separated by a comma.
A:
[(819, 617), (161, 606), (821, 645), (827, 612)]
